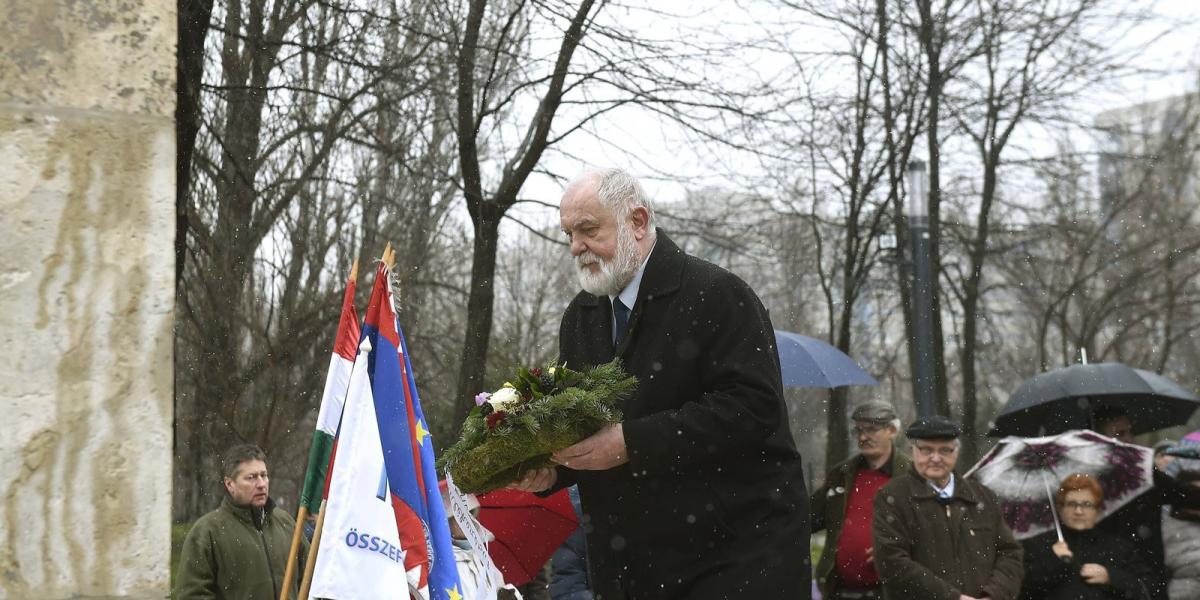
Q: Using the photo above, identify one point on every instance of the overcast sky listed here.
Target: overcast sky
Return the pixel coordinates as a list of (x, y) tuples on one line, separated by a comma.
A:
[(648, 143)]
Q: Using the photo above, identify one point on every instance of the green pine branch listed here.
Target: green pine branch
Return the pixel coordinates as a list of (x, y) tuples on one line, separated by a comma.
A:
[(547, 420)]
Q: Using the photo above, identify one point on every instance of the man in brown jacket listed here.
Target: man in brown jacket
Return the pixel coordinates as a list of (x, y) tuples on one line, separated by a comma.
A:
[(843, 506), (938, 536)]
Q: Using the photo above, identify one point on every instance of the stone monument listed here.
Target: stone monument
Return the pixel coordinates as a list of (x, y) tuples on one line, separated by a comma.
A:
[(87, 188)]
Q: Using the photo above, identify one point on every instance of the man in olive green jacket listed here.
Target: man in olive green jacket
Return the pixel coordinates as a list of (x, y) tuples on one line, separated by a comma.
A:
[(846, 568), (238, 552), (938, 536)]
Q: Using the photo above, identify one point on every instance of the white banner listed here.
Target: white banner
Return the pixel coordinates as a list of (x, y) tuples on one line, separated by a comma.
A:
[(359, 556), (487, 579)]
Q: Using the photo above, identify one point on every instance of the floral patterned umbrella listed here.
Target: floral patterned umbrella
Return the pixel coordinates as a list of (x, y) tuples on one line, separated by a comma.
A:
[(1025, 472)]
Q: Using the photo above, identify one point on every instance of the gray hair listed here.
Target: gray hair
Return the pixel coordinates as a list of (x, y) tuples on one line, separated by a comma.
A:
[(621, 192)]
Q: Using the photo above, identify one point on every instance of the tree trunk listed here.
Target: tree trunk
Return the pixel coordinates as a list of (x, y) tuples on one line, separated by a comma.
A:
[(192, 21), (837, 442), (970, 304), (479, 308), (970, 437), (486, 213)]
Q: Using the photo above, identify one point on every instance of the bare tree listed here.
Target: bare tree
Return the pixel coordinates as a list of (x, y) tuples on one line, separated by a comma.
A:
[(473, 106), (597, 67), (193, 25), (287, 93), (945, 31), (534, 281), (850, 137), (1033, 59), (1114, 273)]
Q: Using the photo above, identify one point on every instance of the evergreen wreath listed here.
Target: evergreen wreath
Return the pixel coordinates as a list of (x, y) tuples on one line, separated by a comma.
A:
[(541, 411)]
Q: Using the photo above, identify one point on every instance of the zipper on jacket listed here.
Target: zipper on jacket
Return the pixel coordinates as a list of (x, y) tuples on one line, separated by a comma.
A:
[(267, 551)]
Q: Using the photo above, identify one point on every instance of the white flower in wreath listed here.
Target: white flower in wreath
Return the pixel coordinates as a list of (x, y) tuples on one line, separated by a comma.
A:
[(504, 398)]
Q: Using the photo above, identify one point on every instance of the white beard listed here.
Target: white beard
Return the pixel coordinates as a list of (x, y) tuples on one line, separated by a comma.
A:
[(614, 274)]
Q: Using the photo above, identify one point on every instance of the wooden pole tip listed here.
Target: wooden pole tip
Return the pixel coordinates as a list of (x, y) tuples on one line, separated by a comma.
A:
[(389, 256)]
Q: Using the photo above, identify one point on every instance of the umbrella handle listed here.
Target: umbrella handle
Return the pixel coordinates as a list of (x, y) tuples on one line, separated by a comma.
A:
[(1053, 511)]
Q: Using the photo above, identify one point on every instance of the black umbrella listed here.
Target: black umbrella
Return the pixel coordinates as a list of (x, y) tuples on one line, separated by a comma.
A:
[(1064, 399)]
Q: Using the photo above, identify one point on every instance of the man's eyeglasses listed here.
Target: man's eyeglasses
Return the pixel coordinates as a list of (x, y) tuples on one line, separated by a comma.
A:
[(866, 429), (944, 451), (1073, 505)]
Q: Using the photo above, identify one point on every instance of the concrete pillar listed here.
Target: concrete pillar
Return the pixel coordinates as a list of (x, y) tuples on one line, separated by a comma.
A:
[(87, 150)]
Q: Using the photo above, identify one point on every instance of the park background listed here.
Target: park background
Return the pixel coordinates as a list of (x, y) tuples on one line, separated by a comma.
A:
[(775, 138), (187, 183)]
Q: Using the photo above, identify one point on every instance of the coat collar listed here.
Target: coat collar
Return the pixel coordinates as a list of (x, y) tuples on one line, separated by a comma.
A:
[(898, 464), (255, 517), (900, 461), (663, 274), (921, 490)]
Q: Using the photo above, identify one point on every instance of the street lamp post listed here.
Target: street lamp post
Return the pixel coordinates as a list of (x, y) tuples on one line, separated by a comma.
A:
[(922, 290)]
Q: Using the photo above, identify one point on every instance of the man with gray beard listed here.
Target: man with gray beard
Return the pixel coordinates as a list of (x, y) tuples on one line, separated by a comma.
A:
[(699, 492)]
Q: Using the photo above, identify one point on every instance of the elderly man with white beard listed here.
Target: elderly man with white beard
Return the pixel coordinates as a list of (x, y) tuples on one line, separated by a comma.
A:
[(699, 492)]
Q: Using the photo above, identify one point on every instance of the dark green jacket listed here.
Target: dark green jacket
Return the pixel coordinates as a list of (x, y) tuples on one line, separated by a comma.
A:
[(827, 510), (237, 553), (933, 551)]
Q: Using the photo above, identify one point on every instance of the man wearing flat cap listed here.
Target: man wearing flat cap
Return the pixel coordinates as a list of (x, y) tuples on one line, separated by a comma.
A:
[(844, 505), (939, 536)]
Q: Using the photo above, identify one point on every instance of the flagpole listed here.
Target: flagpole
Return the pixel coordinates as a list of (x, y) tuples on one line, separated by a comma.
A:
[(311, 563), (289, 570)]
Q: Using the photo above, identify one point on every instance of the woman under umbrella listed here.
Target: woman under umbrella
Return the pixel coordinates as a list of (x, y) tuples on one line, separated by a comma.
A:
[(1086, 563)]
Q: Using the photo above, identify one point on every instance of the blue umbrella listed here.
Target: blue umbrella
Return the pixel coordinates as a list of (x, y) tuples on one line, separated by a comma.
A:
[(809, 362)]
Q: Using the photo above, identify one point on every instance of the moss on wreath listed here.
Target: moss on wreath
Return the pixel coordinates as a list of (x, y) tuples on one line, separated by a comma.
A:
[(556, 407)]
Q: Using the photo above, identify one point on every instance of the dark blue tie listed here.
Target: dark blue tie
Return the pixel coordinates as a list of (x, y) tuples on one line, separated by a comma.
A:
[(622, 313)]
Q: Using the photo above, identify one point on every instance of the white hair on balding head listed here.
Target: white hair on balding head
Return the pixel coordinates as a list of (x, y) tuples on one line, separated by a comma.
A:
[(621, 193)]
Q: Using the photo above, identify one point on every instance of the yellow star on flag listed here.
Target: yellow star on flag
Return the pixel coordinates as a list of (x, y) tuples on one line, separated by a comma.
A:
[(422, 433), (453, 593)]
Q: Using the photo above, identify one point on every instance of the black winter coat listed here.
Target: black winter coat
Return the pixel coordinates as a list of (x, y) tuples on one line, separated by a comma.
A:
[(1139, 524), (711, 504), (1047, 577)]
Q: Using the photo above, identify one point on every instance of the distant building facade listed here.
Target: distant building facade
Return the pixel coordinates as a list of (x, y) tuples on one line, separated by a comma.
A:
[(1148, 162)]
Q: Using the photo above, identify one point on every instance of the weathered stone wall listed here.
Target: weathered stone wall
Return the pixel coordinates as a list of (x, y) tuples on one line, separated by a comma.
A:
[(86, 296)]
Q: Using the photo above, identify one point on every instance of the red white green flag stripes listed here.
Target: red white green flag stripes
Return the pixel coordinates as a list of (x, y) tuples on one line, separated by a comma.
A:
[(337, 381)]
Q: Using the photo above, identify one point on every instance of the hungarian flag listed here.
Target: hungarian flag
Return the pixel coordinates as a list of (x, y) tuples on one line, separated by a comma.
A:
[(337, 381), (383, 474)]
